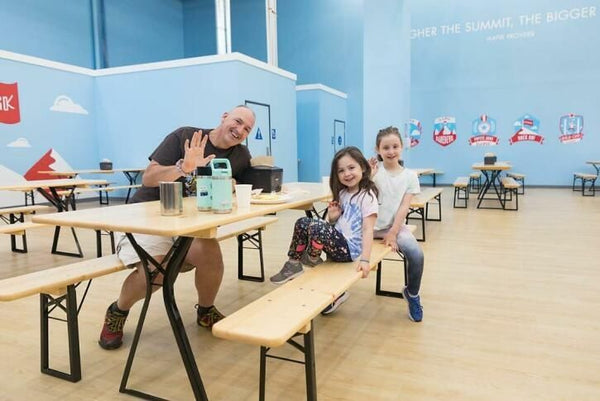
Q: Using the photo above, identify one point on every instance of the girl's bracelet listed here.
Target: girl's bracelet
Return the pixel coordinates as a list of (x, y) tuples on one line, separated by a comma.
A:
[(365, 260)]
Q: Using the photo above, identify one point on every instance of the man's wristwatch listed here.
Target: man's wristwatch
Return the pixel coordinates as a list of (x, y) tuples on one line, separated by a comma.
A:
[(179, 167)]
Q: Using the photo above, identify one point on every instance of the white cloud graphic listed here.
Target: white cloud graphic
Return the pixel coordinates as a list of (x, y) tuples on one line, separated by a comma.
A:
[(19, 143), (64, 104)]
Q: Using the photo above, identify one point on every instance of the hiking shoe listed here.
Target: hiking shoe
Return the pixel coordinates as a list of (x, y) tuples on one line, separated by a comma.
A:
[(415, 310), (209, 318), (336, 304), (289, 271), (111, 336), (306, 260)]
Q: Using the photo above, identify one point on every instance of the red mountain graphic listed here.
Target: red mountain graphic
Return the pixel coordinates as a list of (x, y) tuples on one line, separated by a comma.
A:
[(42, 165)]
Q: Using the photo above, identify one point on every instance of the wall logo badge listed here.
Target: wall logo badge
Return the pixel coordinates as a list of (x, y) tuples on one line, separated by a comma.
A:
[(415, 129), (444, 130), (571, 128), (484, 131), (9, 104), (526, 129)]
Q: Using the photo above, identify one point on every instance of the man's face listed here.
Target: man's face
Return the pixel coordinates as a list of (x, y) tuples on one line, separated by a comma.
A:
[(236, 126)]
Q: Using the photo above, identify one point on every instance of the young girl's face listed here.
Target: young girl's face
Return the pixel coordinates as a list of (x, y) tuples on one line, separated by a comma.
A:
[(349, 172), (390, 149)]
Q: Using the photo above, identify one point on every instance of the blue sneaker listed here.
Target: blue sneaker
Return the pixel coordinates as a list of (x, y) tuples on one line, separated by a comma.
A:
[(415, 310)]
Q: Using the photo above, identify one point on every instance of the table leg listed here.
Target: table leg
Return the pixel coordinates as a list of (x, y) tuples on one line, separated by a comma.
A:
[(175, 257), (491, 176), (132, 177)]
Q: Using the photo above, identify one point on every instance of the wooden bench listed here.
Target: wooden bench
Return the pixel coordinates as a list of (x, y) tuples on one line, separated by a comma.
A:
[(587, 181), (57, 289), (288, 311), (475, 182), (249, 231), (510, 187), (420, 206), (19, 228), (520, 178), (18, 213), (102, 192), (461, 192), (57, 286)]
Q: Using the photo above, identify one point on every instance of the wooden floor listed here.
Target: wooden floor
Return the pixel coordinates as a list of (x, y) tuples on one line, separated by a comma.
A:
[(511, 312)]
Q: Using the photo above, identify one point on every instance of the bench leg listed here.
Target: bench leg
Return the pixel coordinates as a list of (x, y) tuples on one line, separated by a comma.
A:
[(47, 305), (458, 191), (310, 371), (256, 241), (386, 293), (421, 213)]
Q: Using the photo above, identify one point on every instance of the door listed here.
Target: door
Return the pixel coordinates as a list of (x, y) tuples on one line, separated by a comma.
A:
[(339, 135), (259, 140)]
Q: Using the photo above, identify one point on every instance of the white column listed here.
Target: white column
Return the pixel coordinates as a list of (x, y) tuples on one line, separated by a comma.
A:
[(223, 18), (271, 11)]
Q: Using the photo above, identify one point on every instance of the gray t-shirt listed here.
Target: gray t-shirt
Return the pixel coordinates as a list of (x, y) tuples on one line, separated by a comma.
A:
[(172, 149)]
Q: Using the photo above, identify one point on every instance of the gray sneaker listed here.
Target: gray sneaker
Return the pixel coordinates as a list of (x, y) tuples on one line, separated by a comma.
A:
[(306, 260), (336, 304), (289, 271)]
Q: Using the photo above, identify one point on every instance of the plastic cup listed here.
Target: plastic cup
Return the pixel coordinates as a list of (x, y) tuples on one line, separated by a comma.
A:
[(243, 192)]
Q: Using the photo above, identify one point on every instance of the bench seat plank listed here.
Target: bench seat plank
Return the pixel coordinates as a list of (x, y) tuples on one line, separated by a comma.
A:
[(509, 182), (19, 228), (24, 209), (461, 182), (421, 199), (47, 281), (275, 317), (234, 229)]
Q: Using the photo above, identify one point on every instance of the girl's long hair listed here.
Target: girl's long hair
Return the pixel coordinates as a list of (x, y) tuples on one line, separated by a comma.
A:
[(365, 183)]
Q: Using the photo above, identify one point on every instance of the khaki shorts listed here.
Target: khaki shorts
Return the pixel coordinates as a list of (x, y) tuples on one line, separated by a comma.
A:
[(153, 244)]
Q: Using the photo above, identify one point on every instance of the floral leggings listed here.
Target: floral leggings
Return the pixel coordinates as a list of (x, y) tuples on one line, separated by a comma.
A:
[(314, 236)]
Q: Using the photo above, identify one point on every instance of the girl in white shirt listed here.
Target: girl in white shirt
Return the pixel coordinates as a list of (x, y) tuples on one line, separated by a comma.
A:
[(397, 186)]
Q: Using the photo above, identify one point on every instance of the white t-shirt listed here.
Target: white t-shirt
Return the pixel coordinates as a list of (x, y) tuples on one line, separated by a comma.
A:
[(391, 191), (354, 209)]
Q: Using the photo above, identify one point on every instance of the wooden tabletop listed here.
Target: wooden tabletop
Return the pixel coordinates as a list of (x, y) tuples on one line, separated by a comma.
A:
[(145, 217), (495, 166), (423, 171), (36, 184), (73, 173)]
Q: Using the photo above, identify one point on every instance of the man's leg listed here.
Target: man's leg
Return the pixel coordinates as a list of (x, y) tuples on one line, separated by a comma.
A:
[(205, 255)]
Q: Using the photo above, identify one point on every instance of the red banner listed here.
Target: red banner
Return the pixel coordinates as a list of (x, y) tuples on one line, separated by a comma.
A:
[(483, 140), (444, 140), (519, 136), (9, 104), (570, 138)]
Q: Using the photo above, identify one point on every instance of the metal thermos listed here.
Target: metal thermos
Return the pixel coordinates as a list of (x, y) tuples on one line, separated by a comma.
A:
[(204, 188), (222, 190), (171, 198)]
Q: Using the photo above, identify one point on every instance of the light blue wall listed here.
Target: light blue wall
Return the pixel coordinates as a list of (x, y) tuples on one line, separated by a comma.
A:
[(71, 135), (551, 72), (136, 110), (322, 42), (57, 30), (317, 110), (386, 69), (142, 31)]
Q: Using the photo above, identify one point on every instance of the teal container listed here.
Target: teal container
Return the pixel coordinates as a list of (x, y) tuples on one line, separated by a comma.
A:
[(222, 188), (204, 188)]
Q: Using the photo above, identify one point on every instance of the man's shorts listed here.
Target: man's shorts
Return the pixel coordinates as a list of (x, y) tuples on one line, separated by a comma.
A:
[(154, 245)]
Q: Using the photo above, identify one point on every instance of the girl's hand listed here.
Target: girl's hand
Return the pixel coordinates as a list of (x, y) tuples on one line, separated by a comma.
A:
[(389, 239), (334, 211), (365, 267), (373, 163), (194, 152)]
